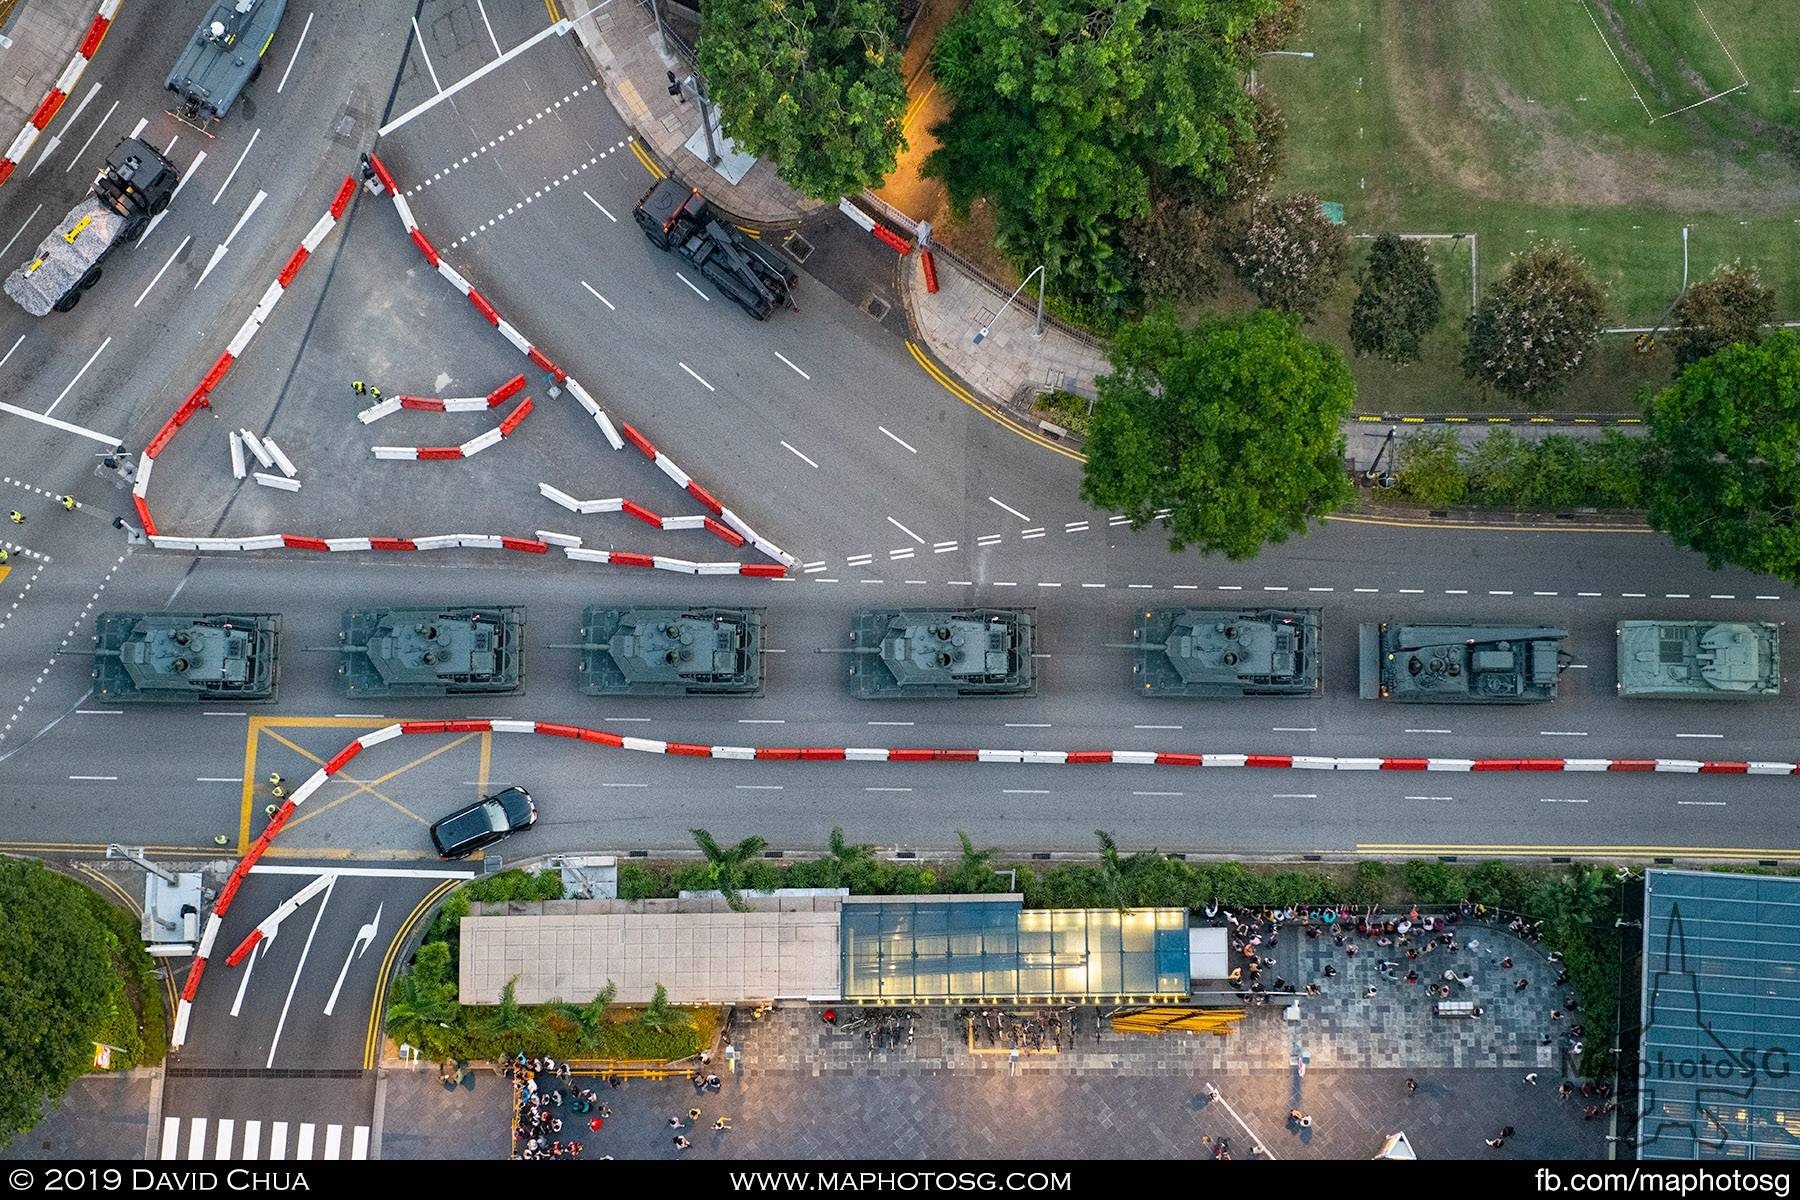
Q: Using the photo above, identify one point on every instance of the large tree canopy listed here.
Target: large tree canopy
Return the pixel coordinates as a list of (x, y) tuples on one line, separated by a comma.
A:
[(1725, 465), (1534, 330), (1732, 306), (1397, 300), (1064, 110), (1233, 426), (812, 85)]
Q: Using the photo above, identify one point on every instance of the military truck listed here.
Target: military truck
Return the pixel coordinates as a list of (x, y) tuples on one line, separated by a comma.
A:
[(1699, 660), (940, 654), (475, 651), (672, 651), (676, 218), (221, 59), (135, 185), (175, 658), (1222, 652), (1461, 664)]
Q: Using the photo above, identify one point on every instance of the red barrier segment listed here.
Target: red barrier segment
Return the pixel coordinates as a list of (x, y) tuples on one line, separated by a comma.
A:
[(381, 173), (640, 441), (702, 495), (1268, 760), (1540, 764), (956, 756), (909, 755), (439, 453), (554, 730), (483, 307), (822, 754), (1632, 764), (143, 512), (294, 263), (219, 367), (294, 541), (724, 533), (892, 240), (524, 545), (616, 741), (342, 757), (468, 727), (515, 416), (425, 248), (385, 543), (341, 201), (543, 363), (761, 570), (95, 35), (633, 508), (1404, 764), (7, 167), (1090, 756), (778, 753), (620, 558), (689, 750), (194, 974), (930, 264), (1724, 768), (506, 391), (1494, 764), (244, 947), (421, 403), (1180, 760), (410, 727), (47, 109)]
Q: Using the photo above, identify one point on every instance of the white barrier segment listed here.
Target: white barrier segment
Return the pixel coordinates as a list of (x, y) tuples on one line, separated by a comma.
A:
[(142, 486), (615, 504), (679, 565), (478, 541), (1223, 760), (684, 522), (348, 543), (281, 460), (1356, 764), (405, 210), (317, 233), (772, 550), (467, 404), (163, 541), (582, 398), (558, 496), (582, 555), (65, 83), (558, 539), (271, 541), (254, 445), (373, 413), (438, 541), (1770, 768), (1449, 764), (279, 482), (716, 568), (218, 544), (476, 445), (184, 1012), (1312, 762), (21, 145), (667, 465), (513, 726), (449, 272), (241, 338), (237, 456), (744, 753), (270, 295), (209, 935), (1145, 758), (313, 783), (1000, 756), (737, 523), (110, 8), (1054, 757), (396, 452), (856, 214), (865, 754), (646, 745), (386, 733), (1678, 766), (606, 428), (514, 336), (1587, 764)]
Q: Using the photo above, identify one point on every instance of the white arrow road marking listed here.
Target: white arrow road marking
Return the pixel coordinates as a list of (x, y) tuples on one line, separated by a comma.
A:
[(358, 948), (187, 175), (329, 882), (237, 1003), (226, 244)]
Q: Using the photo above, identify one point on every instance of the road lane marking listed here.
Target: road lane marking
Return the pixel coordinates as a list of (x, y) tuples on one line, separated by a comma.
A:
[(1143, 586), (1093, 585), (234, 167), (1675, 595), (1321, 589), (1496, 593), (1700, 735), (1723, 596), (815, 466), (1049, 585), (165, 267), (90, 141), (909, 533), (1296, 796), (218, 254), (1428, 731), (961, 582), (9, 353), (1038, 532), (601, 207), (295, 57), (100, 712), (857, 560), (1415, 592), (1703, 803), (1431, 798), (1028, 724), (1369, 591), (599, 297), (421, 42), (890, 433), (762, 720), (690, 283), (224, 714), (943, 547), (218, 779), (887, 789), (1025, 791), (1156, 793), (1543, 593), (95, 778), (709, 387), (490, 28), (624, 785), (1269, 587), (759, 787), (60, 396), (1550, 800), (1156, 727), (1295, 729), (902, 552), (784, 358), (1075, 527), (1562, 733), (890, 722), (1589, 594), (360, 716), (1009, 508)]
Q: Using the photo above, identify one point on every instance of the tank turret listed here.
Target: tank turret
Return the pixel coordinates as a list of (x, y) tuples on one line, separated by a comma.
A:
[(1461, 664), (432, 652), (936, 654), (1223, 652), (172, 658), (1699, 660), (672, 651)]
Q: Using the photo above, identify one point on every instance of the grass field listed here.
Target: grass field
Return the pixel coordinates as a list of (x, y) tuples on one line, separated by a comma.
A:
[(1513, 120)]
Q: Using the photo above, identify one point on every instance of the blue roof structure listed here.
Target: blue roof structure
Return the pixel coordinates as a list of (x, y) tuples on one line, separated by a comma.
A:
[(1720, 1042)]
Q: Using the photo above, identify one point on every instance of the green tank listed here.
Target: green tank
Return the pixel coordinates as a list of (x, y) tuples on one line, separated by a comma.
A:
[(1461, 664), (672, 651), (940, 654), (432, 652), (1219, 652), (172, 658), (1699, 660)]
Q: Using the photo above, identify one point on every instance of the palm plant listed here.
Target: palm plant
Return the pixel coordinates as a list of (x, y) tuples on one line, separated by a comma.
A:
[(418, 1011), (510, 1023), (589, 1019), (974, 871), (849, 862), (659, 1016), (726, 865)]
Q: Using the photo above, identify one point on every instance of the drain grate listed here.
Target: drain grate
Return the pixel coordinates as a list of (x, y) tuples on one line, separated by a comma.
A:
[(797, 246), (876, 307)]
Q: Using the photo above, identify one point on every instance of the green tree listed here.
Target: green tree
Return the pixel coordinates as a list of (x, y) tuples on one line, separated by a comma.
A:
[(812, 85), (1291, 254), (1431, 469), (1730, 307), (423, 1002), (1534, 330), (1171, 250), (55, 958), (1063, 110), (1233, 426), (589, 1019), (974, 871), (1724, 467), (1397, 300), (509, 1023), (661, 1017), (727, 866)]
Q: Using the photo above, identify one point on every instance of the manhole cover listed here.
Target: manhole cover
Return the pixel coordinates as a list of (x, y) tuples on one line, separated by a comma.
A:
[(797, 246), (876, 307)]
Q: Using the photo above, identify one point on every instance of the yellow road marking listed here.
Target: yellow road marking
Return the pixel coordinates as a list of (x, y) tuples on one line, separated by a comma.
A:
[(550, 7), (487, 756), (373, 1038), (1509, 850), (961, 393), (4, 572), (656, 172), (913, 109)]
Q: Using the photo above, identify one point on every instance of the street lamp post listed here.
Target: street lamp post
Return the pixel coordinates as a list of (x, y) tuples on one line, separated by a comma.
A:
[(985, 329), (694, 81)]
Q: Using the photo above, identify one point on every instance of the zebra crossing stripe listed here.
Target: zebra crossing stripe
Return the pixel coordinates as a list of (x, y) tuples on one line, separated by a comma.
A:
[(278, 1141), (334, 1138), (359, 1142), (197, 1139), (171, 1137), (252, 1138), (303, 1148), (222, 1148)]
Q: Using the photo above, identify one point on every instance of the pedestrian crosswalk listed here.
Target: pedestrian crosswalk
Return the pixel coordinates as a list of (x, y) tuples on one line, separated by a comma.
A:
[(228, 1137)]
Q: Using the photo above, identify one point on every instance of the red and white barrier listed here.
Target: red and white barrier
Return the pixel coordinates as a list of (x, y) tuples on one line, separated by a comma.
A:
[(493, 399), (631, 508), (59, 91), (468, 449)]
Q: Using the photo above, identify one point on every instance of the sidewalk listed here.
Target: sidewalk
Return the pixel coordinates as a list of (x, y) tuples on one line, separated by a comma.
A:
[(44, 34)]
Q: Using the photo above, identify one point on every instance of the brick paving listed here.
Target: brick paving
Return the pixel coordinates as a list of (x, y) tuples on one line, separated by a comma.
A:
[(101, 1117)]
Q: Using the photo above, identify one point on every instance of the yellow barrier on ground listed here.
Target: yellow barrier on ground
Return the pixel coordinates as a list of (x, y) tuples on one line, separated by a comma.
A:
[(1157, 1021)]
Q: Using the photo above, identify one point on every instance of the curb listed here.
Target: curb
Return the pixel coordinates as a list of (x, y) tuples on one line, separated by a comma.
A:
[(1492, 419)]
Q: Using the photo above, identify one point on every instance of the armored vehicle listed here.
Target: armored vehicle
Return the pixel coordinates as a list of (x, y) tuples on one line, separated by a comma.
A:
[(1461, 664), (677, 218), (221, 59), (1699, 660), (937, 654), (671, 651), (136, 183), (172, 658), (1213, 652), (432, 652)]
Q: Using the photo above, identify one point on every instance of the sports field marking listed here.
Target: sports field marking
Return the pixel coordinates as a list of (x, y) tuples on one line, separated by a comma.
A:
[(1616, 62)]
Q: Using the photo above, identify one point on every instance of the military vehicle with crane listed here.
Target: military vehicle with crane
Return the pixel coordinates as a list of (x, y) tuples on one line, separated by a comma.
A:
[(1461, 664), (175, 658), (676, 217)]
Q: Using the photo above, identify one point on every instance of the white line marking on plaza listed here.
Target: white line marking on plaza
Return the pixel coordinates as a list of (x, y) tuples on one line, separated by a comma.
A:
[(1675, 595), (361, 716), (1028, 724), (690, 283), (1495, 593), (1005, 583), (1431, 798), (219, 779), (599, 297), (1036, 532), (490, 28), (100, 712), (759, 787), (1144, 586), (84, 366), (1296, 795), (1319, 589), (709, 387), (1452, 591), (961, 582), (1075, 527), (1632, 595), (304, 30), (1723, 596), (988, 539), (1369, 591), (1093, 585), (240, 162), (1414, 592), (762, 720), (887, 789), (1049, 585), (1588, 595), (165, 267), (224, 714), (903, 552), (784, 358), (815, 466), (1269, 587), (624, 785), (1703, 803), (28, 221), (1231, 587), (1156, 793), (1009, 508), (1759, 597), (943, 547), (1187, 587), (90, 139), (1024, 791), (903, 529), (601, 207), (890, 722), (891, 434), (1543, 593), (421, 42)]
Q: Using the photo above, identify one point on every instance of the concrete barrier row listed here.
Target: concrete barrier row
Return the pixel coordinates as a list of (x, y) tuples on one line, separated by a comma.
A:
[(468, 449), (724, 533), (560, 376), (493, 399), (59, 91)]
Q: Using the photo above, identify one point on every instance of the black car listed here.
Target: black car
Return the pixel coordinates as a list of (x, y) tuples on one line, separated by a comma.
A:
[(483, 823)]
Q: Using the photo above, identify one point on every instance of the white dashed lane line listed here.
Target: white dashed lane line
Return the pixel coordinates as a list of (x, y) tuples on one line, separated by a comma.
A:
[(513, 132)]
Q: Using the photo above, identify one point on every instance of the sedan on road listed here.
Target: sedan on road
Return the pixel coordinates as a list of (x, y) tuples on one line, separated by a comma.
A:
[(483, 823)]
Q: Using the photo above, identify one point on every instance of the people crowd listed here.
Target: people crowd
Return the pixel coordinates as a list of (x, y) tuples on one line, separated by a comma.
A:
[(542, 1090)]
